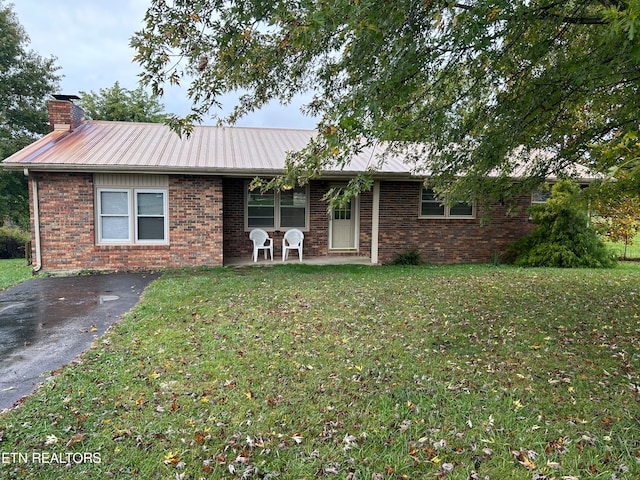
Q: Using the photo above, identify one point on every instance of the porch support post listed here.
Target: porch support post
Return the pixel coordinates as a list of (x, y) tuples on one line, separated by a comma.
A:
[(375, 221)]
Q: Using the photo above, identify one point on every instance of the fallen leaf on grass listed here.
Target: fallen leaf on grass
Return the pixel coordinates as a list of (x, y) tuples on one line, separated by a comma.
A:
[(332, 468), (556, 446), (349, 441), (171, 458), (522, 456), (199, 438), (447, 467), (77, 438)]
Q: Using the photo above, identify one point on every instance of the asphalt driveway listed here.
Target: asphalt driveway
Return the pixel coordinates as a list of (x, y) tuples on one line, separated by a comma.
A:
[(47, 322)]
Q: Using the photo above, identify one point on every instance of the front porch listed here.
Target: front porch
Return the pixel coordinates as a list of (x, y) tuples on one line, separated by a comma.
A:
[(324, 242)]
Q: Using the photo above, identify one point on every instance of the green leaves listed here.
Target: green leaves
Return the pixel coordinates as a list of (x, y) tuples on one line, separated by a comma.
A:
[(26, 80), (475, 82), (563, 236), (120, 104)]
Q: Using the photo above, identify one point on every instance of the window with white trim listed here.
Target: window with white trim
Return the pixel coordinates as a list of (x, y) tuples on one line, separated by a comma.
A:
[(132, 215), (540, 196), (277, 210), (432, 207)]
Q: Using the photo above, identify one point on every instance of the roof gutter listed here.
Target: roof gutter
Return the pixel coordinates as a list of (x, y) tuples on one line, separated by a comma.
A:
[(223, 172)]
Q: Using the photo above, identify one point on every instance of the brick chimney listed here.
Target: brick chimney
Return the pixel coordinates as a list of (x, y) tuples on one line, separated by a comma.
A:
[(63, 114)]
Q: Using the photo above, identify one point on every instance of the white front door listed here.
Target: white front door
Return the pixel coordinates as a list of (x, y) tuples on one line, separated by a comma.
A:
[(343, 227)]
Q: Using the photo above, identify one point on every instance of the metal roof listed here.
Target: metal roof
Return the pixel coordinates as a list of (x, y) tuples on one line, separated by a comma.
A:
[(101, 146), (153, 147)]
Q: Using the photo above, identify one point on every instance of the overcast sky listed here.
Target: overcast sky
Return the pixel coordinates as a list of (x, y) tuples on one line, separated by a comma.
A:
[(90, 39)]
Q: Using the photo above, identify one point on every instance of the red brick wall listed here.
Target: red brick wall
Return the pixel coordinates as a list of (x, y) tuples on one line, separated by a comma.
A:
[(195, 211), (65, 204), (200, 229), (67, 226), (365, 203), (442, 241), (64, 112), (236, 239), (236, 243), (439, 241)]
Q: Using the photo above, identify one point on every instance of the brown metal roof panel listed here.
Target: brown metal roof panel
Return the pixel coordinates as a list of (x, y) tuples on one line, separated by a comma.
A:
[(247, 149), (216, 148), (256, 150), (106, 151), (90, 144), (145, 145), (199, 151), (129, 145), (94, 144), (273, 145), (31, 153)]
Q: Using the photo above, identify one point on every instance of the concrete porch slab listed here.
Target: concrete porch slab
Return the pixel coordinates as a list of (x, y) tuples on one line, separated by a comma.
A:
[(326, 260)]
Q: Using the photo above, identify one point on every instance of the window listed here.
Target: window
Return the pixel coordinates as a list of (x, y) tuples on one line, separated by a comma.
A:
[(540, 196), (261, 209), (131, 215), (543, 194), (277, 210), (150, 220), (113, 208), (431, 207), (293, 208), (343, 213)]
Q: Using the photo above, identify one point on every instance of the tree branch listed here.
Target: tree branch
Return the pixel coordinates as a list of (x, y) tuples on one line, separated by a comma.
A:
[(463, 6), (545, 13), (574, 20), (612, 3)]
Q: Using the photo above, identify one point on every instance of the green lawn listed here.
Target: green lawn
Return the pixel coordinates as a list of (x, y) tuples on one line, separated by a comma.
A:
[(13, 272), (299, 372), (633, 250)]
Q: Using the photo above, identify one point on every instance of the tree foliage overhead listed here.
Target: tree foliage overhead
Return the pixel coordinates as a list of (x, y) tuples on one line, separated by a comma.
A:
[(26, 81), (120, 104), (483, 83)]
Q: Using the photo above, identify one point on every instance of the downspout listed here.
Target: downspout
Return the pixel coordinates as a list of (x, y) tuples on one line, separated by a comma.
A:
[(36, 226)]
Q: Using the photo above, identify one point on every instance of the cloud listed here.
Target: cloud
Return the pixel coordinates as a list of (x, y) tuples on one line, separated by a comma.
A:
[(90, 39)]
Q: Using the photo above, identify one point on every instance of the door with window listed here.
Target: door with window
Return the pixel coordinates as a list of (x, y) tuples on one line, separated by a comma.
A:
[(344, 227)]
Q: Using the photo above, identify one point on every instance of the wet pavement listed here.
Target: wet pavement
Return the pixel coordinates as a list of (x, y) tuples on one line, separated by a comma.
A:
[(45, 323)]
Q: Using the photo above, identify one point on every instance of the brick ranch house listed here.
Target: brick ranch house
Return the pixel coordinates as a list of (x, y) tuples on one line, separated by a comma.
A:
[(111, 196)]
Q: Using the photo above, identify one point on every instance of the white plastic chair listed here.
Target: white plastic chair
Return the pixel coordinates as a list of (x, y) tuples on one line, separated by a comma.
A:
[(292, 241), (261, 241)]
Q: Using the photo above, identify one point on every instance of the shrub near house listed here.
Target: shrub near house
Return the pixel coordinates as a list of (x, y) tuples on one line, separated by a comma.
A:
[(563, 236), (12, 242)]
